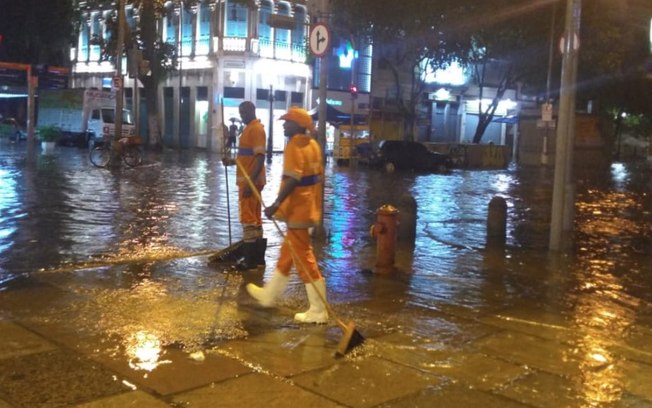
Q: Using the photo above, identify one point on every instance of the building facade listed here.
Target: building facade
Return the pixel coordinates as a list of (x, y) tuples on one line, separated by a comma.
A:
[(228, 52)]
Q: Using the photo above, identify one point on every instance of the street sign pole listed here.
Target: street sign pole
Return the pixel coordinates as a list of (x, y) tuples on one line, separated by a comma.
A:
[(319, 43)]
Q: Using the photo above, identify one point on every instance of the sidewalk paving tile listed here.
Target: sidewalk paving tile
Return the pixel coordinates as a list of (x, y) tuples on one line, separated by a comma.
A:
[(16, 341), (286, 351), (178, 372), (134, 399), (534, 352), (637, 378), (453, 395), (535, 390), (551, 326), (366, 382), (254, 391), (56, 379)]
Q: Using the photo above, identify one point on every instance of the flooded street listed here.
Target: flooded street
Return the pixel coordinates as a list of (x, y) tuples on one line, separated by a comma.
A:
[(106, 298)]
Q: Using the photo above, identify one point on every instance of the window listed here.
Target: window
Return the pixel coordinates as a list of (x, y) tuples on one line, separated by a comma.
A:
[(204, 29), (296, 98), (108, 115), (236, 19), (299, 31), (234, 92), (262, 94), (170, 28), (364, 68), (283, 35), (186, 32), (264, 29), (83, 43), (280, 96), (96, 34), (105, 31)]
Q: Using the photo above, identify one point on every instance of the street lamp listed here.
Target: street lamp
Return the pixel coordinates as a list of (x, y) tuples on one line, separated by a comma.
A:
[(270, 133), (269, 79)]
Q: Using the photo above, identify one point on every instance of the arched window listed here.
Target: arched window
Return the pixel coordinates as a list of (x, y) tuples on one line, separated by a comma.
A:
[(299, 31), (236, 17), (106, 33), (84, 35), (170, 35), (96, 36), (203, 29), (264, 29), (283, 35), (186, 31)]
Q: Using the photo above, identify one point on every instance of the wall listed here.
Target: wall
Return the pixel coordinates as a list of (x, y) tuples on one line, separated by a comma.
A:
[(537, 144)]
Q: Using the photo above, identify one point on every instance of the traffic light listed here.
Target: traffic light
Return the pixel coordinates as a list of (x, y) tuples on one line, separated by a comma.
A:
[(353, 89)]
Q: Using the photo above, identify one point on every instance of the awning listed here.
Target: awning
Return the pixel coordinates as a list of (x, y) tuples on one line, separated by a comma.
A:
[(336, 117)]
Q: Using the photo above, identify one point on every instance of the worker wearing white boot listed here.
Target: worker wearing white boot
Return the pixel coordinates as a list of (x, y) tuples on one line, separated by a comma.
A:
[(299, 204)]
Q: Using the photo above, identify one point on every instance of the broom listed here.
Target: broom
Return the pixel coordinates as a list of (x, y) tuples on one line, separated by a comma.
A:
[(234, 251), (351, 337)]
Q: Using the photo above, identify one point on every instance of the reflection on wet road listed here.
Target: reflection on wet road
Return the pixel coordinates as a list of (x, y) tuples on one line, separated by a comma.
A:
[(118, 257)]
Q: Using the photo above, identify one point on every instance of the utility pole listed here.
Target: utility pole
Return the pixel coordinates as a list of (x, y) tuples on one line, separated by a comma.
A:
[(180, 58), (563, 198), (119, 84), (32, 84)]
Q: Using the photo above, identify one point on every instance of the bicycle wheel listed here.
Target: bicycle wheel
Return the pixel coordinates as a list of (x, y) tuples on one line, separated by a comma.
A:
[(131, 155), (100, 155)]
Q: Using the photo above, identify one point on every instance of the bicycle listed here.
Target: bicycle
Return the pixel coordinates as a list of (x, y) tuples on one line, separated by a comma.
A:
[(101, 153)]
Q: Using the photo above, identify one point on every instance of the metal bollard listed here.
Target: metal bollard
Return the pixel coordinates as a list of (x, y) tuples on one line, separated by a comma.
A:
[(384, 231), (497, 222)]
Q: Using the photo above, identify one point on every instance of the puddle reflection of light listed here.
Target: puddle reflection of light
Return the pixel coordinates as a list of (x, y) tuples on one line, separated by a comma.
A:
[(7, 201), (619, 173), (344, 203), (599, 358), (603, 320), (144, 351), (503, 182)]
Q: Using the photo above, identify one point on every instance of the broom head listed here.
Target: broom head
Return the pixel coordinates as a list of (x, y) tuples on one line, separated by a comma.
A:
[(229, 254), (351, 338)]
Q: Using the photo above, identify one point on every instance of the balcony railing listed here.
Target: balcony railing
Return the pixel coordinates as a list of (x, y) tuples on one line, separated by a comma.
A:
[(279, 50), (262, 47), (237, 44)]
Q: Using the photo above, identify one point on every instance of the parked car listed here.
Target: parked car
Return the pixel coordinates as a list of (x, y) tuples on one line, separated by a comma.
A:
[(9, 127), (401, 155)]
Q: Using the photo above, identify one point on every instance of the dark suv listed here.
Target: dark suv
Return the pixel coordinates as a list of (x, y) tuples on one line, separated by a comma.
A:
[(402, 155)]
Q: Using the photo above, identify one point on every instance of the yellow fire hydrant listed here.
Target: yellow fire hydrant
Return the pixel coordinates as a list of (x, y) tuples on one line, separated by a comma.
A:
[(384, 231)]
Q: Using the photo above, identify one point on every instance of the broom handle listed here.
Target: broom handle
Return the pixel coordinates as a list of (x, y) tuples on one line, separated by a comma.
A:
[(226, 173), (294, 254), (228, 203)]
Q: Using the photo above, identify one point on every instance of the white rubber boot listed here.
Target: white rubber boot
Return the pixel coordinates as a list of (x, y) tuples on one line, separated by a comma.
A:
[(317, 312), (267, 295)]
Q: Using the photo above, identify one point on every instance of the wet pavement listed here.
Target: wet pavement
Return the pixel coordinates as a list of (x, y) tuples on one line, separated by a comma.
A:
[(107, 300)]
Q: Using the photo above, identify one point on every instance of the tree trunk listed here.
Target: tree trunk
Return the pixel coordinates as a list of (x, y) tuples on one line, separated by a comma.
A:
[(150, 87), (151, 79), (485, 118)]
